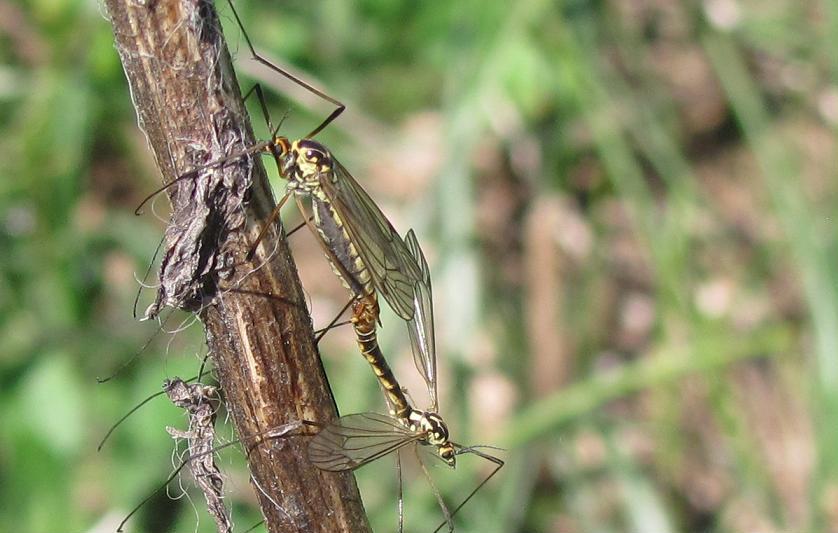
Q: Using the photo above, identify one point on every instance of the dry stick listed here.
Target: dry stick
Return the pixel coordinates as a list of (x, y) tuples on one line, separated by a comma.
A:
[(200, 402), (189, 106)]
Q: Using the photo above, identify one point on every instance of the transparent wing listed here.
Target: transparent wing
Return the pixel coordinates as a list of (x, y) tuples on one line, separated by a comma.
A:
[(421, 326), (355, 440), (394, 273)]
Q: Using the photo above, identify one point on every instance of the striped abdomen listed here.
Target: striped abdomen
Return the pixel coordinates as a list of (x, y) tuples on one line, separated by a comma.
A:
[(365, 333), (351, 270)]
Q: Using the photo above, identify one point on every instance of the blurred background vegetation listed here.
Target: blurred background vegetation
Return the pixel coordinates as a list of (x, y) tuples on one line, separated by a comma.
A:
[(629, 211)]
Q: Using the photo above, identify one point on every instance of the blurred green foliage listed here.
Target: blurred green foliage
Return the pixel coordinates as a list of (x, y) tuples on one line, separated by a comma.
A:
[(630, 210)]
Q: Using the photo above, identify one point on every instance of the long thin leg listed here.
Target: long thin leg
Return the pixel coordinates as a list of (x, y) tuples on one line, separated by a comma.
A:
[(263, 104), (137, 407), (268, 224), (281, 431), (319, 333), (268, 496), (267, 116), (400, 493), (486, 456), (124, 417), (203, 366), (254, 526), (260, 147), (445, 512), (339, 106), (145, 277), (151, 495), (138, 353), (292, 231), (296, 228)]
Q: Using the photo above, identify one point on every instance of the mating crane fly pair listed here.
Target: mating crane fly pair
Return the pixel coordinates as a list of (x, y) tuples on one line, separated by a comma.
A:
[(370, 258)]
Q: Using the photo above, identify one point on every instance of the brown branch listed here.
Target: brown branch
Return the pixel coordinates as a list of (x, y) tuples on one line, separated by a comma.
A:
[(189, 106)]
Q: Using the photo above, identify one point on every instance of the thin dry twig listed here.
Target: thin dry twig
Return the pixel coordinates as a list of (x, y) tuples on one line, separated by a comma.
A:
[(200, 402)]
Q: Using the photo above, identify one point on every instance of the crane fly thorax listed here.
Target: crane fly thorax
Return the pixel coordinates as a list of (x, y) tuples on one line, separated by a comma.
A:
[(436, 433)]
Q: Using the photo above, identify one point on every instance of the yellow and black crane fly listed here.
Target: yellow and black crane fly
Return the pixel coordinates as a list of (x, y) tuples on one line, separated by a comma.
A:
[(370, 258)]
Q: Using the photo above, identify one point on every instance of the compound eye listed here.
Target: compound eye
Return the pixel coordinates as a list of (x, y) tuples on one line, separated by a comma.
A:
[(447, 455)]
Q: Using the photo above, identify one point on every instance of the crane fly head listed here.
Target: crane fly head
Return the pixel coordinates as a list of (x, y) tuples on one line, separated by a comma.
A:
[(303, 163)]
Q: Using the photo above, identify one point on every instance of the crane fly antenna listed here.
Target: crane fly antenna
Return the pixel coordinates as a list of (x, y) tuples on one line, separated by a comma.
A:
[(339, 107)]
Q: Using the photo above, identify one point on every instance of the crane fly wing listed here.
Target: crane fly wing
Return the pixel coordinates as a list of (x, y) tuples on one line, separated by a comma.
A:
[(421, 326), (355, 440), (391, 267)]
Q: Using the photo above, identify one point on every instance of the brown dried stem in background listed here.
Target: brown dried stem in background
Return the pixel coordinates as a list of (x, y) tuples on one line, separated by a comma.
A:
[(200, 402), (258, 330)]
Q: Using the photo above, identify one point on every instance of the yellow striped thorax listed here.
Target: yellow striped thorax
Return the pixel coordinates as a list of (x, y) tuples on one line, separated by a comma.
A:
[(436, 431), (303, 163)]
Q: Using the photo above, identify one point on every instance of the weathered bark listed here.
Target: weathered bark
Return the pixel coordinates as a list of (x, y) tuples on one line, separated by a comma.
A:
[(258, 330)]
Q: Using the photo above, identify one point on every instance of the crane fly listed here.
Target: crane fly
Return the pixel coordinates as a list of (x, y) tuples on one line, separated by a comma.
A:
[(354, 440), (369, 256), (363, 248), (361, 244)]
